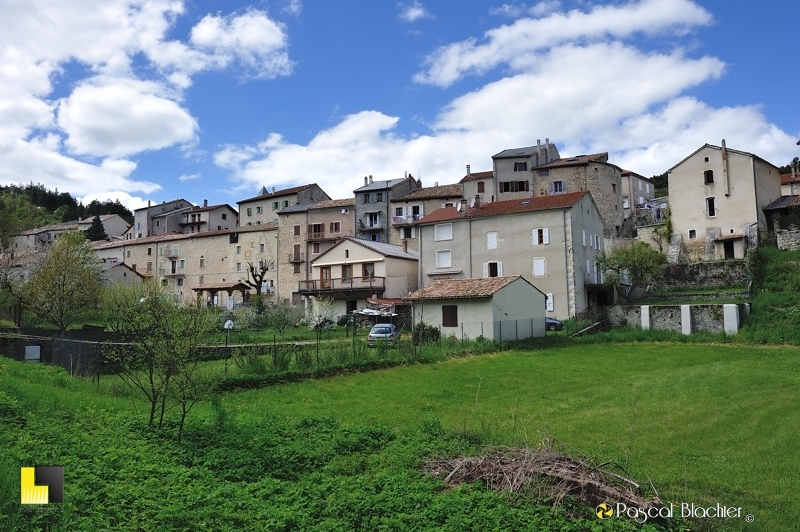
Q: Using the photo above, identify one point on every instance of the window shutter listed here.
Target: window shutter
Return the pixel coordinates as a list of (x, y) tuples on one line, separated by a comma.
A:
[(552, 187), (535, 237), (564, 186), (588, 266), (549, 302), (546, 233), (486, 269), (584, 238), (309, 229), (413, 232), (499, 269)]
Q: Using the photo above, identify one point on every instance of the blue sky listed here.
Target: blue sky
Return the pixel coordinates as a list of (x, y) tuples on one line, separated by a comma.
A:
[(159, 99)]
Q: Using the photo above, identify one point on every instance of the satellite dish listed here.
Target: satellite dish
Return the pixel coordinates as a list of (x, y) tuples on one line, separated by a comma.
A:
[(472, 203), (228, 325), (458, 207), (344, 211)]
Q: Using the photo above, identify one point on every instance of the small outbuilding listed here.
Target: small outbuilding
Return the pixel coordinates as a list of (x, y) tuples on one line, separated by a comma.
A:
[(496, 308)]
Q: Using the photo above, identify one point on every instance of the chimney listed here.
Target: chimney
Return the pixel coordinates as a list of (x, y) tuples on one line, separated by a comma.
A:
[(273, 190), (538, 151), (405, 246), (546, 150), (794, 170), (477, 201), (365, 181), (205, 203), (370, 178), (468, 173), (726, 185)]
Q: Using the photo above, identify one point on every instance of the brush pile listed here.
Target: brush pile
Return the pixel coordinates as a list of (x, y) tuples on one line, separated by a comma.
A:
[(546, 473)]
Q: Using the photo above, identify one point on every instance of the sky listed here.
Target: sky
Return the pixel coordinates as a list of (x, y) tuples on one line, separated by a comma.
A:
[(153, 100)]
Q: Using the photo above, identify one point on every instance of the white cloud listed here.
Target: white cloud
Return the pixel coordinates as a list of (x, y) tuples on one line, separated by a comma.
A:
[(635, 107), (293, 7), (516, 10), (515, 44), (188, 177), (413, 12), (545, 8), (122, 117), (130, 81)]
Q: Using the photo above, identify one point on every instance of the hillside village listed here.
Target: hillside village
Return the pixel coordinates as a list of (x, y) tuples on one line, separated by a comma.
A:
[(535, 214)]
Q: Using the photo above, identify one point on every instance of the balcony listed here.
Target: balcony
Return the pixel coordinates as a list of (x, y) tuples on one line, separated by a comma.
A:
[(297, 257), (404, 221), (317, 236), (369, 228), (368, 285), (592, 278), (193, 222)]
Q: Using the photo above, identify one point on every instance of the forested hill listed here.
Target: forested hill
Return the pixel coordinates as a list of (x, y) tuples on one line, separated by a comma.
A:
[(29, 206)]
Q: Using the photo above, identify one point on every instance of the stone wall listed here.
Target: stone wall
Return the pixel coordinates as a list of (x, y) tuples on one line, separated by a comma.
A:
[(788, 239), (681, 318), (704, 275)]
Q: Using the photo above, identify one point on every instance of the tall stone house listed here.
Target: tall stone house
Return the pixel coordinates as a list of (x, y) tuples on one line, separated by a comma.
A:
[(153, 220), (552, 241), (265, 207), (412, 206), (372, 208), (717, 199)]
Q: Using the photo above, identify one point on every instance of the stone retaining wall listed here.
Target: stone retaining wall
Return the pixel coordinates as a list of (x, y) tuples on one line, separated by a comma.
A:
[(681, 318)]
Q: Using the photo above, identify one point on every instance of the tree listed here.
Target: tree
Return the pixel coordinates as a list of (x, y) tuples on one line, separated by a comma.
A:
[(158, 349), (255, 278), (637, 265), (96, 231), (65, 282), (282, 316)]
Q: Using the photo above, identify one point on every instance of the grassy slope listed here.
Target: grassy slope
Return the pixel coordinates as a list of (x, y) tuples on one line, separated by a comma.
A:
[(705, 423)]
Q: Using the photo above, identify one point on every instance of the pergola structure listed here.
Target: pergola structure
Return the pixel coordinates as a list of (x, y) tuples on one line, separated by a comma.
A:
[(212, 289)]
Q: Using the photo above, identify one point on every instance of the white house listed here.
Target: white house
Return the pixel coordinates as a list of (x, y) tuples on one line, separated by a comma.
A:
[(498, 308)]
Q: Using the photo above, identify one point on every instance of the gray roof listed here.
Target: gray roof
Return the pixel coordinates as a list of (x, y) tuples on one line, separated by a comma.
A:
[(380, 185), (297, 207), (518, 152), (443, 191), (783, 202), (387, 250)]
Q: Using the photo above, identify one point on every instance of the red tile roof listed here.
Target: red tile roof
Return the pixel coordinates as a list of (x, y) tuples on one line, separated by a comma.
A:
[(462, 288), (789, 178), (494, 208)]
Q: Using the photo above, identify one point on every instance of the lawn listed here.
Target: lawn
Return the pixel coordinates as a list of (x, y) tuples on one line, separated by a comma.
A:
[(706, 423)]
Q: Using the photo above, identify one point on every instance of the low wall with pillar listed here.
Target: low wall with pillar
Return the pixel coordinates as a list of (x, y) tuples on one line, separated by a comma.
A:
[(685, 319)]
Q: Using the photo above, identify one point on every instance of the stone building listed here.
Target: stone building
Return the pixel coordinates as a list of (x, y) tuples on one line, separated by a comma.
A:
[(372, 207), (412, 206)]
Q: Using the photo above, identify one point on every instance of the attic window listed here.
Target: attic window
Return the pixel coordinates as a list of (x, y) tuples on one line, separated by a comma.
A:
[(708, 177), (520, 167)]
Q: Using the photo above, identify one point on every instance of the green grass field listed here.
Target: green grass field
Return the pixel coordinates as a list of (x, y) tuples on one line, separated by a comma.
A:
[(706, 423)]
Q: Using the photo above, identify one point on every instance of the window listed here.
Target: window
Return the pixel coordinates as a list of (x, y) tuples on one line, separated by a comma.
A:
[(202, 280), (406, 232), (415, 210), (366, 198), (296, 267), (375, 238), (261, 248), (544, 173), (179, 282), (259, 209), (624, 202), (274, 205), (224, 216), (614, 188), (539, 266), (238, 250), (541, 236), (149, 251), (182, 264), (398, 211), (238, 266), (129, 254), (233, 238), (514, 186), (249, 211), (449, 315), (373, 219), (692, 234), (347, 253), (443, 258), (640, 185), (202, 262), (378, 197), (520, 167), (548, 302), (315, 248), (491, 240), (443, 232), (296, 230), (368, 270), (706, 159), (347, 271), (149, 266), (481, 187), (711, 207), (336, 227), (558, 187), (647, 187), (285, 203), (708, 177), (158, 224), (493, 269)]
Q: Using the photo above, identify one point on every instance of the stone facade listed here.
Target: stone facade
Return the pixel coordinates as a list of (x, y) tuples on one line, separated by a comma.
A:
[(788, 239), (705, 275), (681, 318)]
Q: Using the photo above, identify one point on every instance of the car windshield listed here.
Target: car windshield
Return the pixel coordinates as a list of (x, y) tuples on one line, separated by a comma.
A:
[(381, 330)]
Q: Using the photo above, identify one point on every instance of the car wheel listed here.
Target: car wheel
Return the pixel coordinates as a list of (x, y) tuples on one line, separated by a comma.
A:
[(551, 327)]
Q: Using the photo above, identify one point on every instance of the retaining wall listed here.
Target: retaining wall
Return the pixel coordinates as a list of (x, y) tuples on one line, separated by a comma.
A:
[(685, 319)]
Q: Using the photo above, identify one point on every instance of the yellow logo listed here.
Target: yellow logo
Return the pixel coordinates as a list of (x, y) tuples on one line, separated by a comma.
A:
[(604, 511), (50, 488)]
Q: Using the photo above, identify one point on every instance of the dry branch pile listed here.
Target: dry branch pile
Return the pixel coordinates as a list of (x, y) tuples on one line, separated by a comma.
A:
[(545, 472)]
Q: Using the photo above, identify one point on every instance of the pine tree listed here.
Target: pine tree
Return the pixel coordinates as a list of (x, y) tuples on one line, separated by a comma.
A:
[(96, 231)]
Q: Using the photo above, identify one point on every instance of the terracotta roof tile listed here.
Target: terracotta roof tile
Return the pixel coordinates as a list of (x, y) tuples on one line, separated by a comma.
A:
[(462, 288), (494, 208), (789, 178)]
